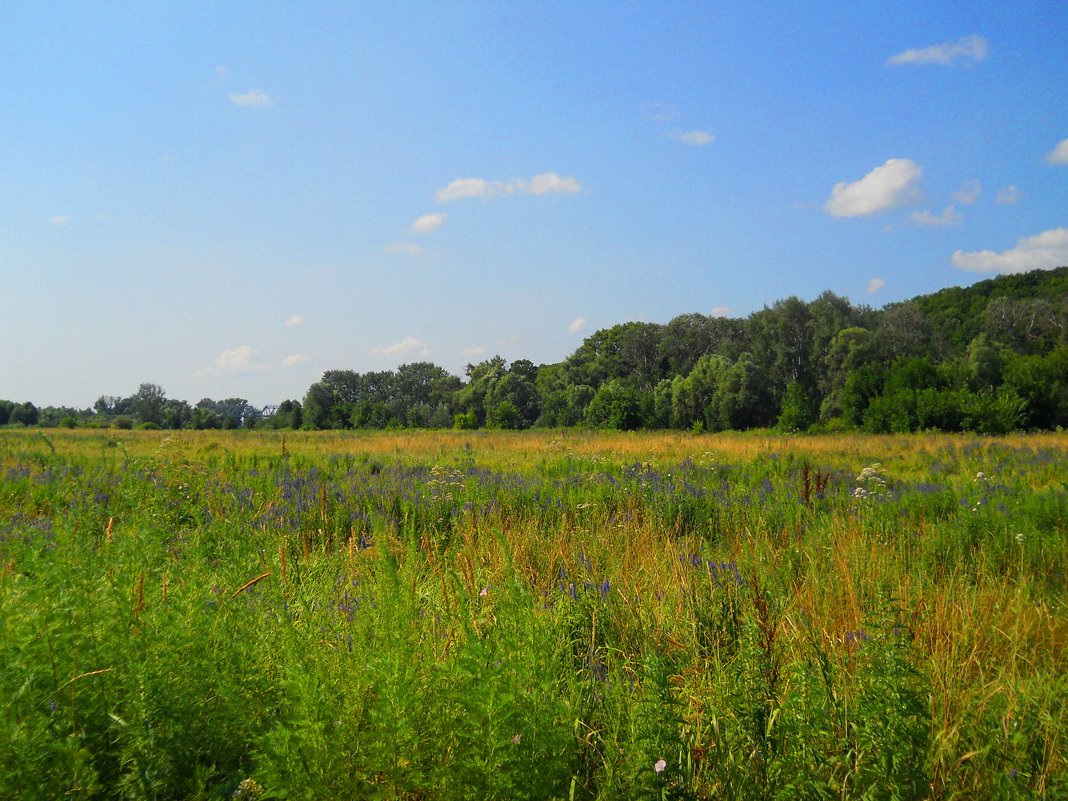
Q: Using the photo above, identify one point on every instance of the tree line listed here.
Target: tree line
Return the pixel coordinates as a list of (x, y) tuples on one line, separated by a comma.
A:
[(989, 358)]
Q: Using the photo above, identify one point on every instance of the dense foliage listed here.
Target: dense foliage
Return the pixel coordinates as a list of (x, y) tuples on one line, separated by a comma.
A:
[(990, 358), (577, 615)]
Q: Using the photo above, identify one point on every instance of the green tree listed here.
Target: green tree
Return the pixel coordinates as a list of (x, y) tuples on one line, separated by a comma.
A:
[(148, 402), (849, 349), (1042, 382), (615, 405), (797, 412)]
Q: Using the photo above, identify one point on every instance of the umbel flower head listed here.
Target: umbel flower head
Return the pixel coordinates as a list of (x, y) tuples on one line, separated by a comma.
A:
[(248, 790)]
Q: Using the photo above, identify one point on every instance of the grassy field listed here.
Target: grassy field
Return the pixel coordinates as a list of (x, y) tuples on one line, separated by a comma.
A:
[(556, 615)]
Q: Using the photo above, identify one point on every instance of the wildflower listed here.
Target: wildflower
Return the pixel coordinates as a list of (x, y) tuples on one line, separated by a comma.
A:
[(980, 477), (1019, 537), (516, 739), (248, 790), (660, 765), (484, 592)]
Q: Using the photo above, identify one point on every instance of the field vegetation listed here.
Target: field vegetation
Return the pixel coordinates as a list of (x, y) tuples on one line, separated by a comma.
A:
[(539, 615)]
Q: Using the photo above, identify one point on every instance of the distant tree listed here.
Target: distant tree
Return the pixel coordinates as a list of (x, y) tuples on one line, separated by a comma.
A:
[(688, 337), (743, 397), (148, 403), (849, 349), (176, 414), (1042, 382), (108, 405), (903, 331), (481, 379), (517, 389), (319, 406), (861, 386), (781, 339), (629, 352), (288, 415), (1026, 325), (504, 414), (6, 408), (797, 412), (25, 413), (615, 405)]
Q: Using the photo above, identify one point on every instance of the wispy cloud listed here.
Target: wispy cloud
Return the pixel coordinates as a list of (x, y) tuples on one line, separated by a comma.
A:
[(428, 223), (1059, 154), (875, 284), (969, 193), (719, 311), (543, 184), (969, 49), (408, 345), (242, 359), (59, 220), (893, 183), (256, 98), (577, 325), (294, 321), (948, 217), (295, 360), (658, 111), (473, 353), (698, 138), (1008, 195), (407, 248), (222, 72), (1041, 252)]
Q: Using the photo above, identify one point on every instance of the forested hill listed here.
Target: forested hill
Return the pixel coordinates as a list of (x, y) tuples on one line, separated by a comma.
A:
[(959, 314), (991, 358)]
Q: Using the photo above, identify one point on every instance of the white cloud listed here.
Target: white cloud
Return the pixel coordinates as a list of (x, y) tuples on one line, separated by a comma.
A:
[(696, 138), (468, 187), (548, 182), (473, 353), (242, 359), (256, 98), (428, 223), (405, 346), (1059, 154), (948, 217), (969, 193), (1041, 252), (875, 284), (970, 48), (295, 360), (1008, 195), (884, 187), (294, 321), (543, 184), (59, 220), (719, 311), (577, 325), (405, 247)]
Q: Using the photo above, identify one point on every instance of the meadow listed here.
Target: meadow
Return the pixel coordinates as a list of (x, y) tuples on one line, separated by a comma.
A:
[(537, 615)]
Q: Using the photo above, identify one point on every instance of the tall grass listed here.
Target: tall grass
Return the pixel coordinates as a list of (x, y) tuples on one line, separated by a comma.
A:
[(559, 615)]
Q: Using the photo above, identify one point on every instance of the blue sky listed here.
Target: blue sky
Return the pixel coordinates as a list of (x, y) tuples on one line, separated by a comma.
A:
[(228, 199)]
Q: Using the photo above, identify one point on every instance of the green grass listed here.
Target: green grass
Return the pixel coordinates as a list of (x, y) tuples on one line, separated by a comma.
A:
[(460, 615)]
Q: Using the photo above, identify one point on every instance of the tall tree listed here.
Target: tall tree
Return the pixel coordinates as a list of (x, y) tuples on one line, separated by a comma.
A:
[(148, 403)]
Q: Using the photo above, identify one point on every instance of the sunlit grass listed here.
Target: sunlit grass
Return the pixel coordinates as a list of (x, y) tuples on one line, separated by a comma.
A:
[(381, 615)]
